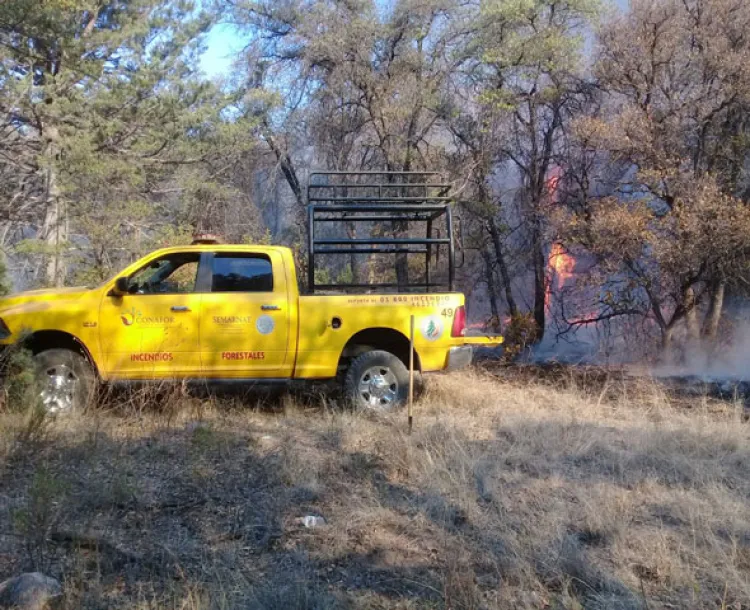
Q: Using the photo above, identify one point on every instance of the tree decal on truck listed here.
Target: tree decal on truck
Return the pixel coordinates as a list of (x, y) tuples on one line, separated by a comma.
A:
[(432, 328)]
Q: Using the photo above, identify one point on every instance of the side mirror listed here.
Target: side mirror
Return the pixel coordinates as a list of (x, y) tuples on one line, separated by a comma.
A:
[(121, 287)]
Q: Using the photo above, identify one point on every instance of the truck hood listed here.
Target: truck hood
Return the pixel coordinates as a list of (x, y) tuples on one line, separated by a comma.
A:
[(14, 301)]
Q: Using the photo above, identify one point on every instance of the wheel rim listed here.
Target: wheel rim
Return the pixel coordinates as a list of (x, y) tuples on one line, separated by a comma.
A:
[(60, 386), (378, 387)]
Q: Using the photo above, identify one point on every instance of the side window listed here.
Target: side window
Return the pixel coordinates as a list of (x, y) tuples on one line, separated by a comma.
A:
[(241, 273), (171, 274)]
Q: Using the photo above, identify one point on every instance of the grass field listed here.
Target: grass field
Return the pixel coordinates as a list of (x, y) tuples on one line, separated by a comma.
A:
[(511, 493)]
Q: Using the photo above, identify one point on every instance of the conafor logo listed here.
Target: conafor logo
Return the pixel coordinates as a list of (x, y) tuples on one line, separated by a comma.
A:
[(136, 317), (128, 317)]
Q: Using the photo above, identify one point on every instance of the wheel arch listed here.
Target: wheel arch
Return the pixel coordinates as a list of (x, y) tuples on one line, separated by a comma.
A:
[(41, 340), (379, 338)]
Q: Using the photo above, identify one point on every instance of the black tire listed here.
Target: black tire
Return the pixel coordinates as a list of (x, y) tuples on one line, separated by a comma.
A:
[(388, 382), (66, 381)]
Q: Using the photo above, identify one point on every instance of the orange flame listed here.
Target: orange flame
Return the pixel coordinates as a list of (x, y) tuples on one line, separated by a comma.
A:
[(561, 265), (560, 268)]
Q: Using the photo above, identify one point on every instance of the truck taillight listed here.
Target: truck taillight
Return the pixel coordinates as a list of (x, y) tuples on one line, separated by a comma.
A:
[(459, 322)]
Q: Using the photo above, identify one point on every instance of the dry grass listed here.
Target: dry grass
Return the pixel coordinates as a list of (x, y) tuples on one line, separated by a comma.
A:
[(510, 494)]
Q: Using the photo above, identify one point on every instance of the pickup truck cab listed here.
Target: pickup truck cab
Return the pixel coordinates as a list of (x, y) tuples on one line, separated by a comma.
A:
[(213, 313)]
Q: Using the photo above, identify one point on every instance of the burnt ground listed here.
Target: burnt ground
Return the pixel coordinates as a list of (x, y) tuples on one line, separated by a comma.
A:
[(611, 381)]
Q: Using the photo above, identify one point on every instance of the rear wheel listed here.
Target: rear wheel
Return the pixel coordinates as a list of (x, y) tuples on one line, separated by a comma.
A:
[(66, 381), (376, 381)]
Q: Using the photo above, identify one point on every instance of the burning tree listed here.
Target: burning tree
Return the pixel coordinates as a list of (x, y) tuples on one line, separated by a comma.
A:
[(661, 261), (673, 229), (517, 88)]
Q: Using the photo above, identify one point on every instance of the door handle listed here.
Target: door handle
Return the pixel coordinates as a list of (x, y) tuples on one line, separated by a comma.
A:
[(270, 308), (180, 308)]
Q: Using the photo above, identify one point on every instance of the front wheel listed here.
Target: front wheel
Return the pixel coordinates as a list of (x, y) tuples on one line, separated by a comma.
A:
[(376, 381), (65, 380)]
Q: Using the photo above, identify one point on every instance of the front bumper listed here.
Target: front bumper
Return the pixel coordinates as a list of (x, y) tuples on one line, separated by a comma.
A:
[(459, 357)]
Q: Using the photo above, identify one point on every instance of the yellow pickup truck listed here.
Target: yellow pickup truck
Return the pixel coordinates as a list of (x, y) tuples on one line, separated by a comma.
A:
[(223, 312), (210, 312)]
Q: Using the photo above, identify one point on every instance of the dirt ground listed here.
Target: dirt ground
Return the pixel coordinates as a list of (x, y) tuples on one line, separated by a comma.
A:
[(515, 490)]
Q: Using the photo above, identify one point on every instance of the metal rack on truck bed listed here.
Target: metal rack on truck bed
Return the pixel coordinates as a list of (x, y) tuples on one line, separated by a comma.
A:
[(398, 199)]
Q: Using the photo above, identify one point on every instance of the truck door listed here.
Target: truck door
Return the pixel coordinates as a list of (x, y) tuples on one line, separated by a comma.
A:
[(245, 317), (152, 332)]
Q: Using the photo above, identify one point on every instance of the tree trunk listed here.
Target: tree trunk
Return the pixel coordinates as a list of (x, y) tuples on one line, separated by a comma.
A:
[(713, 316), (287, 167), (667, 336), (402, 272), (55, 228), (53, 233), (540, 282), (490, 276), (692, 352), (503, 267), (353, 261), (691, 316)]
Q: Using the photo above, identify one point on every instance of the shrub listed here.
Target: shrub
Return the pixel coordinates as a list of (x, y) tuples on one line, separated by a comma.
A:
[(521, 332), (19, 388)]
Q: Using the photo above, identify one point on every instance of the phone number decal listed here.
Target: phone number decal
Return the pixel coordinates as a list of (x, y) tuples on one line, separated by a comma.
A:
[(422, 299)]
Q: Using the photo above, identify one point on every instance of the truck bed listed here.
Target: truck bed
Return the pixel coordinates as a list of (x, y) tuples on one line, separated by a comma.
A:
[(320, 341)]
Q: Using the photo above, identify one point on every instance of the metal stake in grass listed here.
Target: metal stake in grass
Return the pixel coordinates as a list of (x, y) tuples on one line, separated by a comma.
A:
[(411, 369)]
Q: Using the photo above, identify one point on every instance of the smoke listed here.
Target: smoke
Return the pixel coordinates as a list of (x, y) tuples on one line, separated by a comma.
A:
[(604, 343), (728, 359)]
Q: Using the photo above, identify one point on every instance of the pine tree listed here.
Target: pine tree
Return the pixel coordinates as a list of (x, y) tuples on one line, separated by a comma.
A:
[(108, 127)]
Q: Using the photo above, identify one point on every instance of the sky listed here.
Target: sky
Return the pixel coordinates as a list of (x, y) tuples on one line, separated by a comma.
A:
[(223, 44)]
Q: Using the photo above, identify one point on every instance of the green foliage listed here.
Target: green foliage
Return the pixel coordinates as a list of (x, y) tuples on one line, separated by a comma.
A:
[(322, 276), (5, 280), (266, 239), (19, 385), (21, 397), (122, 134), (531, 48), (533, 36), (346, 275)]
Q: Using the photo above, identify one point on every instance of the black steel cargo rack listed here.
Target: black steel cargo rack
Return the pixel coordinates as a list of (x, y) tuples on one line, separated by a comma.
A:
[(397, 198)]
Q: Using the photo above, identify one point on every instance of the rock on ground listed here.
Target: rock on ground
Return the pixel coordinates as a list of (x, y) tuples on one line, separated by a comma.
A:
[(30, 591)]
